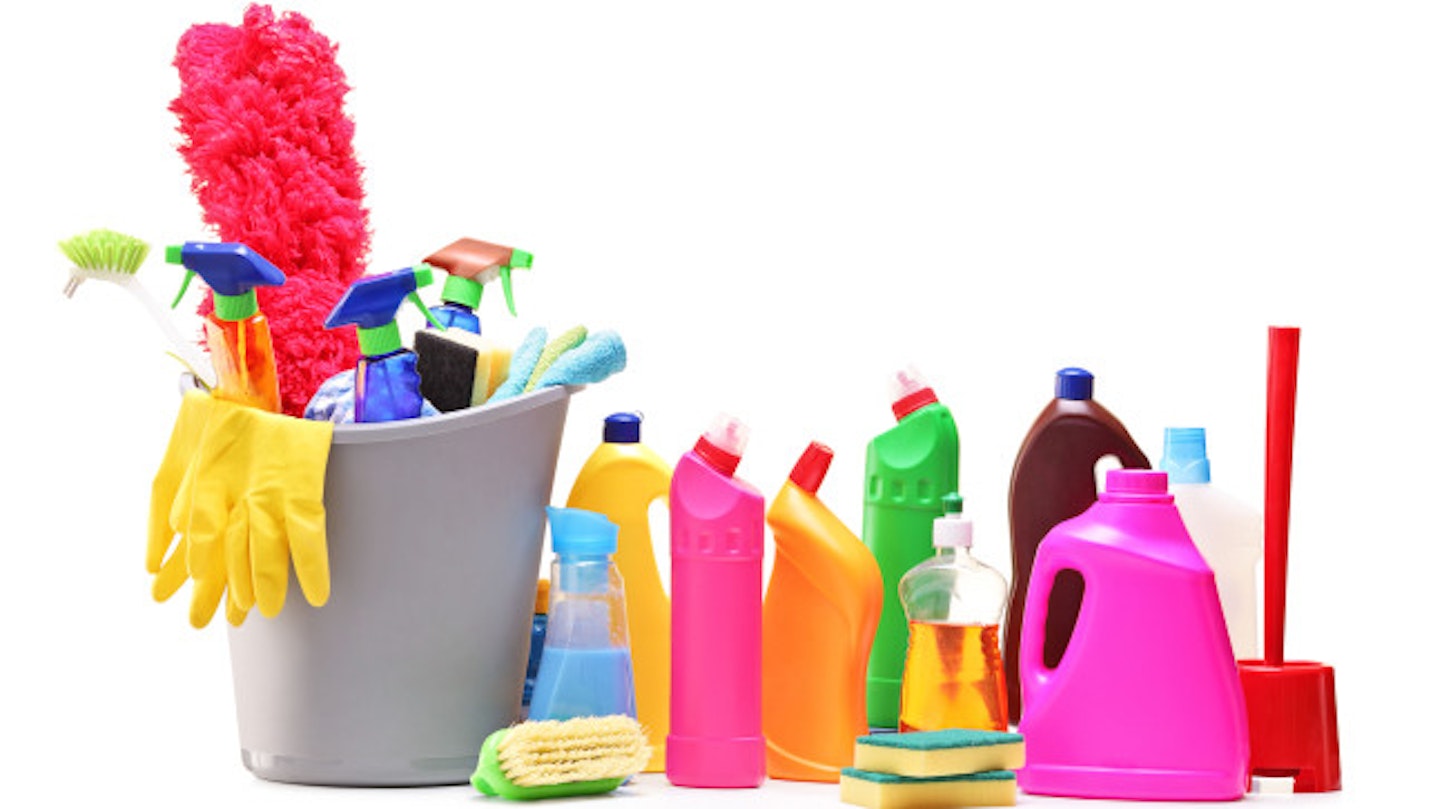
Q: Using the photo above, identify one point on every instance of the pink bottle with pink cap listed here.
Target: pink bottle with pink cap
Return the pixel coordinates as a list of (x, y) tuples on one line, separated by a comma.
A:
[(1145, 701), (717, 534)]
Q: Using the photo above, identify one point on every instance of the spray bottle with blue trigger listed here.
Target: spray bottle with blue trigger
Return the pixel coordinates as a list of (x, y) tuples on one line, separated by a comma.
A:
[(236, 331), (387, 386)]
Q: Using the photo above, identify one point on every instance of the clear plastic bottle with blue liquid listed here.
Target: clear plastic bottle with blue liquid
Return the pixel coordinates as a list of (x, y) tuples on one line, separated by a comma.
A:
[(585, 669)]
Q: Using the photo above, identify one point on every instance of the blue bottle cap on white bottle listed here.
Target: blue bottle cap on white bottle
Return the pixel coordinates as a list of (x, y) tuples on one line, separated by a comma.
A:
[(1074, 383), (1185, 457)]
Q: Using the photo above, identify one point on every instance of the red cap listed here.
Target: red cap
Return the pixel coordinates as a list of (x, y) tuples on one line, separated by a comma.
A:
[(909, 392), (722, 461), (722, 445), (809, 471)]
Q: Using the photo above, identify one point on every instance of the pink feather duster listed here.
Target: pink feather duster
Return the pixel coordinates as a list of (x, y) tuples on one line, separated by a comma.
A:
[(268, 143)]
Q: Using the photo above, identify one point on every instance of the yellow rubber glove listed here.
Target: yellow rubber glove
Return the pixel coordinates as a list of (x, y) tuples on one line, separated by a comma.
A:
[(170, 566), (250, 500)]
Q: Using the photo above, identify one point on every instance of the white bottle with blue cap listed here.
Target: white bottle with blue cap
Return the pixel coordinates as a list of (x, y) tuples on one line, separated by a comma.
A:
[(1227, 531)]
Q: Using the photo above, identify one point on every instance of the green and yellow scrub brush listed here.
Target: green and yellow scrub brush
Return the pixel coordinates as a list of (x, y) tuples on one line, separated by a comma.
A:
[(554, 759), (115, 257)]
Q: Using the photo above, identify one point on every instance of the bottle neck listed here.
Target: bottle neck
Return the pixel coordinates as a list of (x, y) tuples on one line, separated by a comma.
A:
[(380, 340), (236, 307), (462, 291)]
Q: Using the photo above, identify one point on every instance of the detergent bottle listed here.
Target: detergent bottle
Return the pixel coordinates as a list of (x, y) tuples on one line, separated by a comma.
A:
[(537, 641), (1145, 701), (821, 610), (621, 479), (469, 264), (236, 331), (717, 534), (1227, 531), (387, 386), (908, 469), (954, 677), (1054, 480), (585, 668)]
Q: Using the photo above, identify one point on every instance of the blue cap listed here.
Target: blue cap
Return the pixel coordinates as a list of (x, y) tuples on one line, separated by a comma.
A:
[(581, 532), (1185, 458), (1074, 383), (622, 428)]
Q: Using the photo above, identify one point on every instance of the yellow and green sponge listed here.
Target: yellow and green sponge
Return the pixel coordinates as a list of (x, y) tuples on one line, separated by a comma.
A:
[(939, 768)]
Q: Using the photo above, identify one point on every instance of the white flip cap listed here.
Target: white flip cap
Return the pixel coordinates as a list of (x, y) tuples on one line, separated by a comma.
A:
[(953, 531)]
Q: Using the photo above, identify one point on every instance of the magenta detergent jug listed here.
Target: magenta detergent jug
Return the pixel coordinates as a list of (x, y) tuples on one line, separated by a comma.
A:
[(1144, 702)]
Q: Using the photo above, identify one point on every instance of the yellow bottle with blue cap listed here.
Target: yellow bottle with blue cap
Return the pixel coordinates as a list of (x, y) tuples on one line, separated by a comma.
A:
[(621, 479), (387, 386), (236, 331)]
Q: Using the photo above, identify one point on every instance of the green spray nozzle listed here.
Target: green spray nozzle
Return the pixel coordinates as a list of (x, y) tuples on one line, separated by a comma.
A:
[(371, 303), (231, 270), (470, 263)]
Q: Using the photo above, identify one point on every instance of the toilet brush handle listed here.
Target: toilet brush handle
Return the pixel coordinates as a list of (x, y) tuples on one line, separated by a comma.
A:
[(1279, 446)]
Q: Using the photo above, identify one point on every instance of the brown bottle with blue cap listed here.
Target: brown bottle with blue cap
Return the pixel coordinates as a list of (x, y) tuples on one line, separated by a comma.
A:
[(1054, 480)]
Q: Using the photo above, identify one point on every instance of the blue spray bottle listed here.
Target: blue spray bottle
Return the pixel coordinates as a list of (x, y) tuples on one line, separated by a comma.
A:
[(387, 386)]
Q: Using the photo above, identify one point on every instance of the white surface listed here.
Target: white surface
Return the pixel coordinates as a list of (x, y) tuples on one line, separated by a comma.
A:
[(777, 207)]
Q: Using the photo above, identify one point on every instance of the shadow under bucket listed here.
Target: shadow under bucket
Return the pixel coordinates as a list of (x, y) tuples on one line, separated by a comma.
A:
[(435, 528)]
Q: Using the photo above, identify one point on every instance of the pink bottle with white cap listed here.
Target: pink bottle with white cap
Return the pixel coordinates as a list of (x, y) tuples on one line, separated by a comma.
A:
[(1145, 701), (717, 534)]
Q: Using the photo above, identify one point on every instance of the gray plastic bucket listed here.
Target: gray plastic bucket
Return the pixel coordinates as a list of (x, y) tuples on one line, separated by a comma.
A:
[(435, 528)]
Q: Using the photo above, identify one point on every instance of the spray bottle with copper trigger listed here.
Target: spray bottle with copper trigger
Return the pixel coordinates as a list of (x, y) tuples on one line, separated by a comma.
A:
[(469, 265)]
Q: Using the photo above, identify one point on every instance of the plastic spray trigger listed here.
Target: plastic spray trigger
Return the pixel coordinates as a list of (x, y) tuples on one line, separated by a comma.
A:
[(424, 274), (505, 286)]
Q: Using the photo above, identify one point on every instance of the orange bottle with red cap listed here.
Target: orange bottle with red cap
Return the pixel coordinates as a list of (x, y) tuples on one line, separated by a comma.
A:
[(819, 620)]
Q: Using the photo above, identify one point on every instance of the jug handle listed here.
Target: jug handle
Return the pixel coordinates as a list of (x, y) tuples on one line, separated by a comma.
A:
[(1035, 676)]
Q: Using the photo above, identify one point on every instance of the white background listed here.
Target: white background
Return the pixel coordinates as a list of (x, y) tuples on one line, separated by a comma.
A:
[(777, 206)]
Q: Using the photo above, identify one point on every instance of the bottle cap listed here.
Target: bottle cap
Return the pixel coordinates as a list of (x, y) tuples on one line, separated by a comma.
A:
[(580, 532), (1185, 460), (909, 392), (722, 445), (1136, 481), (372, 302), (622, 428), (231, 270), (471, 263), (1074, 383), (953, 530), (809, 471)]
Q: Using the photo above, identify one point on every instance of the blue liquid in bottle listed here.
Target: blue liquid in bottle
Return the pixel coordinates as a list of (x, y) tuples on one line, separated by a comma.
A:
[(583, 682), (457, 315), (387, 388)]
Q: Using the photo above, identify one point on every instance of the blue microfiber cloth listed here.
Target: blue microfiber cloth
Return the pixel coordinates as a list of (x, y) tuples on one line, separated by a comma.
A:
[(522, 363), (602, 354)]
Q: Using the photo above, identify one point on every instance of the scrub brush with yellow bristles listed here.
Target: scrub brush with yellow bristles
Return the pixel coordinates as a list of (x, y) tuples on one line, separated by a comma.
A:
[(106, 255), (587, 755)]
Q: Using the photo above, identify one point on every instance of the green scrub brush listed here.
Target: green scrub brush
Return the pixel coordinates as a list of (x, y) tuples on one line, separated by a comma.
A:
[(105, 255), (554, 759)]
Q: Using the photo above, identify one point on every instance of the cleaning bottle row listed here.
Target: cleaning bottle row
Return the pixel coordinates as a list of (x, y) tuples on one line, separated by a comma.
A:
[(748, 671)]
